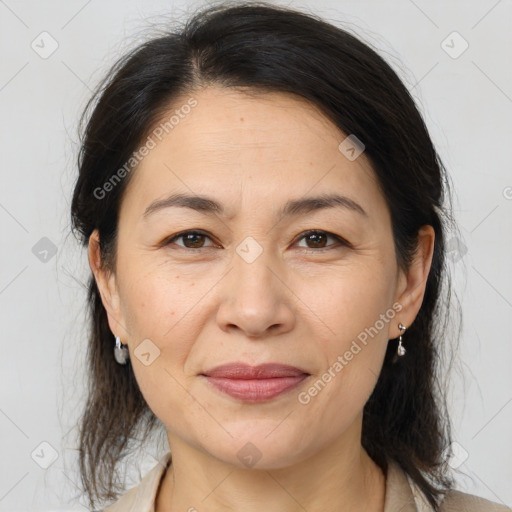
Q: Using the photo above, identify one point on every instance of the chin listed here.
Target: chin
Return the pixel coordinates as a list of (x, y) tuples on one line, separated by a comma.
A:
[(259, 448)]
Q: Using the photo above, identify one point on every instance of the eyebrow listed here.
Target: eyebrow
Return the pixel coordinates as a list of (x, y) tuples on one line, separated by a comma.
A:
[(210, 206)]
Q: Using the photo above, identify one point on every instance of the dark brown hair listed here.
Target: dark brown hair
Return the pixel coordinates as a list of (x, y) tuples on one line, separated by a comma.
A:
[(273, 49)]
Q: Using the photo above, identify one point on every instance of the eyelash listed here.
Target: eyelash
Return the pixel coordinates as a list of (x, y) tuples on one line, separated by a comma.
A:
[(340, 240)]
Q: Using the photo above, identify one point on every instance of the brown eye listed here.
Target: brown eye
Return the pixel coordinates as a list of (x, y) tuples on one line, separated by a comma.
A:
[(318, 239), (191, 239)]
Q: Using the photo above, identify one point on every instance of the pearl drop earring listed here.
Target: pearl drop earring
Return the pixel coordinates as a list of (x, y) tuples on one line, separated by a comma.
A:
[(121, 353), (401, 349)]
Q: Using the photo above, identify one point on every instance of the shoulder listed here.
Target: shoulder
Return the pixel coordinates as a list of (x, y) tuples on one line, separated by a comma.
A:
[(124, 502), (141, 498), (458, 501), (402, 491)]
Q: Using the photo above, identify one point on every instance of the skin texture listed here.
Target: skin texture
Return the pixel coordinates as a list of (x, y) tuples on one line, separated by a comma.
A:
[(297, 303)]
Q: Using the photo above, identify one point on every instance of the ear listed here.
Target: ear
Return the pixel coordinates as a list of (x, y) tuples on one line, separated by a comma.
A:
[(107, 285), (411, 285)]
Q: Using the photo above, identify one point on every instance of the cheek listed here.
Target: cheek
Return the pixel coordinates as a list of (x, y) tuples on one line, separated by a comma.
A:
[(164, 390), (156, 301), (356, 313), (160, 306), (351, 303)]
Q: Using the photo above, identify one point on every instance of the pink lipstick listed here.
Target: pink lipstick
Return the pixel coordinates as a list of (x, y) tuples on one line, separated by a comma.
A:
[(255, 383)]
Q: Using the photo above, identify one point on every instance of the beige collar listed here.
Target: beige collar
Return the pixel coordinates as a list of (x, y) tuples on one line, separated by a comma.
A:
[(402, 494)]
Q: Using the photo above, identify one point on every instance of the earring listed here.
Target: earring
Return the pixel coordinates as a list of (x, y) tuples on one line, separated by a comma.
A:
[(121, 353), (401, 349)]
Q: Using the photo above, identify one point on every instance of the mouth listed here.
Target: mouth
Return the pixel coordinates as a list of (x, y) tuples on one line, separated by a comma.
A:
[(254, 383)]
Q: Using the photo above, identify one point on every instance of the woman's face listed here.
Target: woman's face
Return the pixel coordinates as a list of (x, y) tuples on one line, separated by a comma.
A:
[(253, 286)]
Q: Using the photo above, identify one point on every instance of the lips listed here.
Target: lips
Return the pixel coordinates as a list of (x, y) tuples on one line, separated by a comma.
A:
[(255, 383), (262, 371)]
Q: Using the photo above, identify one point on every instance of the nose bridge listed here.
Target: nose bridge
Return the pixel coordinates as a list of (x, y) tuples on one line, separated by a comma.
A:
[(252, 272), (256, 299)]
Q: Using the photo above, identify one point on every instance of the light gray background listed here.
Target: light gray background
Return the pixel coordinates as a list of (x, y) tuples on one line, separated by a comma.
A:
[(467, 104)]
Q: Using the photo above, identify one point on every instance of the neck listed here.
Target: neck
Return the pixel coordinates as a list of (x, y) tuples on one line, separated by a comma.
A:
[(341, 478)]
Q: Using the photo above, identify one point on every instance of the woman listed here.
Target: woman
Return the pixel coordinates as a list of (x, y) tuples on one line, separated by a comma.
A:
[(263, 209)]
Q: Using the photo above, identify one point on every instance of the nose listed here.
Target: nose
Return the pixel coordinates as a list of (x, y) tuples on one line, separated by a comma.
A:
[(256, 299)]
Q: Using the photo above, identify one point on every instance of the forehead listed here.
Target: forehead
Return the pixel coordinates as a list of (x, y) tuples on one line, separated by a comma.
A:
[(247, 148)]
